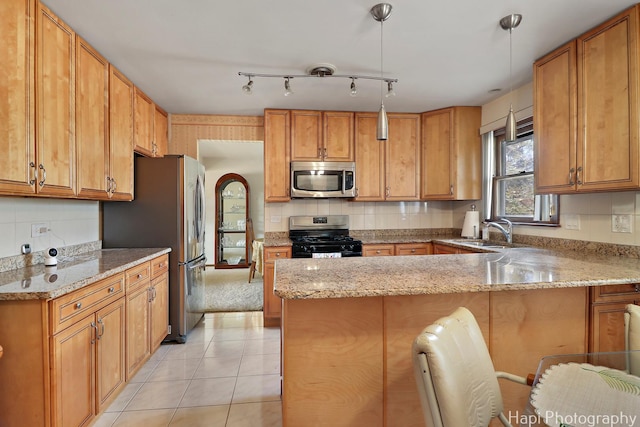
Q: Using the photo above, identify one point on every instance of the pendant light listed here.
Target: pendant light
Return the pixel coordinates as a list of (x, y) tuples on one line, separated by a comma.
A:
[(380, 13), (510, 22)]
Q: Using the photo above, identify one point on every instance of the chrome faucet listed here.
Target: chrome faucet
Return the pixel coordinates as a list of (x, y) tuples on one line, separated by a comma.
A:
[(508, 232)]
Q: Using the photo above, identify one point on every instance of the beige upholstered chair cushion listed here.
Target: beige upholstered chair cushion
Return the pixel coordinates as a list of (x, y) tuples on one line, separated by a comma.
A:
[(454, 373), (632, 336)]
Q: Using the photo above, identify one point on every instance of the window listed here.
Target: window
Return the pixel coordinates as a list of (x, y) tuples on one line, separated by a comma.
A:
[(509, 178)]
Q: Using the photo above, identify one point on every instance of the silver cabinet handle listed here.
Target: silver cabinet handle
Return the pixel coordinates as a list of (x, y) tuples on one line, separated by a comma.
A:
[(387, 191), (139, 276), (114, 185), (451, 190), (78, 305), (112, 290), (324, 153), (378, 251), (571, 171), (93, 325), (578, 179), (35, 173), (637, 287), (102, 327), (44, 175)]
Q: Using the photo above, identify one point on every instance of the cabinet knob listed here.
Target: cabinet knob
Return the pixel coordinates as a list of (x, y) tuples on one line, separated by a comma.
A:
[(277, 254), (637, 287), (112, 290), (139, 276), (413, 251), (378, 251), (78, 305)]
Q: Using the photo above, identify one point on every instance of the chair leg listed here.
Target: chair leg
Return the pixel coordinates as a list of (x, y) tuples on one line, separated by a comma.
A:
[(252, 270)]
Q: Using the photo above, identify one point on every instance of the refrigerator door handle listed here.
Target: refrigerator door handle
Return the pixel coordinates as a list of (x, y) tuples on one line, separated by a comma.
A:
[(198, 264)]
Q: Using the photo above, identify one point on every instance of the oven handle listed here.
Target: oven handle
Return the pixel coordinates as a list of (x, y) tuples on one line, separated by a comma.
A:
[(344, 180)]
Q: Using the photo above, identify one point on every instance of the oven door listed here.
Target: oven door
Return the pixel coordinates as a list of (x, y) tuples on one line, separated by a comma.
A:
[(316, 251)]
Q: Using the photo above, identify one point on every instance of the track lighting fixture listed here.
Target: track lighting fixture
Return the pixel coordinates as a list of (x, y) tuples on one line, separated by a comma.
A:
[(287, 87), (247, 89), (354, 90), (510, 22)]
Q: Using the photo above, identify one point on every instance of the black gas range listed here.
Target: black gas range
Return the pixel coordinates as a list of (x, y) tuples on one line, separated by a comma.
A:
[(322, 237)]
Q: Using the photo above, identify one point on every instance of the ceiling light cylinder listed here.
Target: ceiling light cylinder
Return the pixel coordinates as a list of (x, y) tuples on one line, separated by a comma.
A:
[(508, 23), (382, 128)]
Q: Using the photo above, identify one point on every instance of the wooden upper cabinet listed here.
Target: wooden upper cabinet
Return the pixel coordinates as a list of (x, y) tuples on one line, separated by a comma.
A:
[(402, 152), (608, 105), (121, 92), (387, 170), (370, 159), (92, 117), (451, 154), (586, 111), (277, 155), (55, 105), (322, 135), (143, 124), (160, 131), (17, 107), (555, 114)]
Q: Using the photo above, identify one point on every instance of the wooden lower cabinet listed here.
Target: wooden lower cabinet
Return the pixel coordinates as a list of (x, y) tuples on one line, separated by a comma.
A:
[(607, 315), (397, 249), (66, 359), (272, 310)]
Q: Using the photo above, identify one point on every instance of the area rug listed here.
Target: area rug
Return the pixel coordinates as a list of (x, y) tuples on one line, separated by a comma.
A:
[(229, 290)]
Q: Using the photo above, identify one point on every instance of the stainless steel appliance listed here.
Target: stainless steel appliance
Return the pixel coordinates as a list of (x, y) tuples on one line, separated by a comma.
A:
[(167, 211), (323, 179), (322, 237)]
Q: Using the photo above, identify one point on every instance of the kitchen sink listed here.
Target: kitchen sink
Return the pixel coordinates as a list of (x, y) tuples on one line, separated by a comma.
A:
[(481, 243)]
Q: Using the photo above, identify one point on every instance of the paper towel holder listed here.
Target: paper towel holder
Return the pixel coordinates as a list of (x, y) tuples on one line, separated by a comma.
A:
[(471, 226)]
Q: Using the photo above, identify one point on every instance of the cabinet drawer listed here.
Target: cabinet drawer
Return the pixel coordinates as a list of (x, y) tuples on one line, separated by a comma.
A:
[(413, 249), (272, 254), (74, 306), (159, 265), (378, 250), (626, 292), (137, 275)]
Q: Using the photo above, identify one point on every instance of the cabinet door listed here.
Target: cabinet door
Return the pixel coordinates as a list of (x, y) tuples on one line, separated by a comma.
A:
[(17, 107), (306, 135), (159, 310), (143, 124), (378, 250), (444, 249), (370, 162), (55, 102), (272, 310), (277, 155), (555, 116), (138, 343), (73, 374), (338, 136), (161, 131), (437, 155), (120, 135), (403, 157), (110, 352), (608, 105), (92, 103), (607, 327)]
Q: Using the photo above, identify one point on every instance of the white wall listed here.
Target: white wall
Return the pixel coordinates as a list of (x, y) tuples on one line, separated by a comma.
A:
[(71, 222), (243, 158)]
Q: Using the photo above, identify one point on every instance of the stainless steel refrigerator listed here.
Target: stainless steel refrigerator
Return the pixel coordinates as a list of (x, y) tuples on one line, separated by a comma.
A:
[(167, 211)]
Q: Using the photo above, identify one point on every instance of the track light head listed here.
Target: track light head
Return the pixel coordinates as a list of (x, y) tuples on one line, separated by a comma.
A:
[(248, 88), (390, 91), (354, 89), (287, 87)]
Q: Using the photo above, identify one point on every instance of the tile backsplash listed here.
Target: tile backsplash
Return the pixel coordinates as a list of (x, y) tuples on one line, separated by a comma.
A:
[(68, 222)]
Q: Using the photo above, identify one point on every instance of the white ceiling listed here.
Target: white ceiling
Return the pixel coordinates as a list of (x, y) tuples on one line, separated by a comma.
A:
[(186, 54)]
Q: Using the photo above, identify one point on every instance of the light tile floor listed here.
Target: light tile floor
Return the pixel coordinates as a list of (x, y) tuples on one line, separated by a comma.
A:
[(227, 374)]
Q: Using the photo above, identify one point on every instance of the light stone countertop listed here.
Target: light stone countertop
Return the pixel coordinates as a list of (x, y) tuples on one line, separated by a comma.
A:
[(514, 268), (71, 273)]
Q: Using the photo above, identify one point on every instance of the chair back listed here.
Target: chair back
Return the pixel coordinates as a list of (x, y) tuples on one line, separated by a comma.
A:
[(632, 337), (455, 375)]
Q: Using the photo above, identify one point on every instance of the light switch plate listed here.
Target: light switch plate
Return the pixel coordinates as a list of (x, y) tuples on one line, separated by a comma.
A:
[(572, 222), (621, 223), (38, 230)]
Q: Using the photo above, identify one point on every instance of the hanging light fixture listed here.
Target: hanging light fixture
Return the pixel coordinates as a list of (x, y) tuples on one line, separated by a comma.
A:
[(380, 13), (510, 22)]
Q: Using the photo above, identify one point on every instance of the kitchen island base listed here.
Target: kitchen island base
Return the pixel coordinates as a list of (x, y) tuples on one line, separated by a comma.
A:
[(347, 361)]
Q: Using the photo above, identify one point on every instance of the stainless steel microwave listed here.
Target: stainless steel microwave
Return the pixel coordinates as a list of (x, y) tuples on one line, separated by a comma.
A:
[(323, 179)]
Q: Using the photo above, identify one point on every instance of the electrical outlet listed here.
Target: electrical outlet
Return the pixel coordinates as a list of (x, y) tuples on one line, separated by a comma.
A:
[(572, 222), (276, 218), (38, 230), (621, 223)]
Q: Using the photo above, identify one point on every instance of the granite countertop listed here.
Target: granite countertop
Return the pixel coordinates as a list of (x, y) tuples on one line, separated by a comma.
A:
[(497, 269), (71, 273)]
